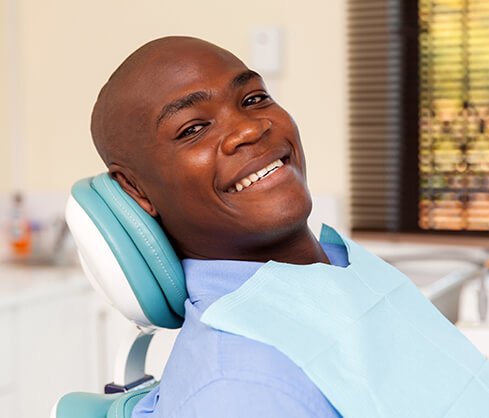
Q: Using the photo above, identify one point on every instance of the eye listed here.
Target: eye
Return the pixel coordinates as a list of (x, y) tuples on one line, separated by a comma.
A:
[(255, 99), (191, 130)]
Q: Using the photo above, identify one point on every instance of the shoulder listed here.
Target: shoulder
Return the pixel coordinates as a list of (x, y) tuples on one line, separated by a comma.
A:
[(243, 397), (213, 369)]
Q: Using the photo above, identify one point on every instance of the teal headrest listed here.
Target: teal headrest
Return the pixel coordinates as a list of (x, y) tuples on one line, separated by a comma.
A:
[(140, 246)]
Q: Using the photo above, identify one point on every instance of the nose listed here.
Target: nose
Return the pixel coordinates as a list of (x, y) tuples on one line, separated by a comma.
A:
[(246, 131)]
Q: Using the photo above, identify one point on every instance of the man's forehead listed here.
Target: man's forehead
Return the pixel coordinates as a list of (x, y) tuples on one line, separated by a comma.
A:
[(169, 78), (178, 60)]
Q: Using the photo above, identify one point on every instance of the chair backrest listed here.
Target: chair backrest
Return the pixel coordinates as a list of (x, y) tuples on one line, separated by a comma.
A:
[(126, 254)]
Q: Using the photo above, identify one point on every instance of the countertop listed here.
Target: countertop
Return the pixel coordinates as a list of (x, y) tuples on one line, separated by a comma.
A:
[(26, 284)]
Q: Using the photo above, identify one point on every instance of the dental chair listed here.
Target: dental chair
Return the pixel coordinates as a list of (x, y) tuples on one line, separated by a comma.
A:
[(129, 260)]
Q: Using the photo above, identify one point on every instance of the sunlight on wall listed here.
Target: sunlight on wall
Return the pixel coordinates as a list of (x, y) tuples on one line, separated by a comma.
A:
[(5, 180), (68, 50)]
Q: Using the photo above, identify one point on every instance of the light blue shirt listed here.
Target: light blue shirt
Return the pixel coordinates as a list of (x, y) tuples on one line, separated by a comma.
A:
[(213, 374)]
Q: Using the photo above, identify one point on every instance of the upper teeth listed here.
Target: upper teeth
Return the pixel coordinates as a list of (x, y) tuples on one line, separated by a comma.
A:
[(254, 177)]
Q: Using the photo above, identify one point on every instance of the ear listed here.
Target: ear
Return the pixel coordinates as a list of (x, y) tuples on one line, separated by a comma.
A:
[(129, 185)]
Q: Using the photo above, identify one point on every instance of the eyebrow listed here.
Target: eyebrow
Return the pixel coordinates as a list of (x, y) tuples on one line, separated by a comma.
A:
[(183, 103), (202, 96), (242, 78)]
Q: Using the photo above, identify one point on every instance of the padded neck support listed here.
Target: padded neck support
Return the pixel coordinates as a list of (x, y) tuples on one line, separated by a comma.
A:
[(138, 243)]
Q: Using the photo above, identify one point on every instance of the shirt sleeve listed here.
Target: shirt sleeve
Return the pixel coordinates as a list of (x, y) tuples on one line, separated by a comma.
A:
[(227, 398)]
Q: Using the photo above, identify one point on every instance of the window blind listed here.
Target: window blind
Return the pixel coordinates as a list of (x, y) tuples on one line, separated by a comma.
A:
[(375, 95)]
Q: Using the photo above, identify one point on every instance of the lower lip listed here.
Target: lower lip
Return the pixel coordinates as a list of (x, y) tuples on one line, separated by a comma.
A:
[(271, 180)]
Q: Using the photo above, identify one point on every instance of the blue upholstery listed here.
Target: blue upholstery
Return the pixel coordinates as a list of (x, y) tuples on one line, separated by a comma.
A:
[(84, 405), (149, 239), (123, 406), (144, 253), (151, 268), (89, 405)]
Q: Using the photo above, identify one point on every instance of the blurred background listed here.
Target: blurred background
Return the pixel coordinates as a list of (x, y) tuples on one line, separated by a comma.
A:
[(392, 101), (57, 55)]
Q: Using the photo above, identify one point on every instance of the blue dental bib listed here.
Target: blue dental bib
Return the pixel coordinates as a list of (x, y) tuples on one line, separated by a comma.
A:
[(364, 334)]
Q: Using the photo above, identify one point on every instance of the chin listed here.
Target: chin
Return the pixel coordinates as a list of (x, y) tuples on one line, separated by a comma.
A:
[(285, 215)]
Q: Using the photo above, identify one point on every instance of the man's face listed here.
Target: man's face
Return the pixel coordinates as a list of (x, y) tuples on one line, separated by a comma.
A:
[(225, 170)]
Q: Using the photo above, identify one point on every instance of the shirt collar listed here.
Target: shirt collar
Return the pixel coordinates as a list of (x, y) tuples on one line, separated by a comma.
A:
[(208, 280)]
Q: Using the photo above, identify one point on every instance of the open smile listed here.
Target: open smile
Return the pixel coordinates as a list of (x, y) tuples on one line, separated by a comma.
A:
[(257, 176)]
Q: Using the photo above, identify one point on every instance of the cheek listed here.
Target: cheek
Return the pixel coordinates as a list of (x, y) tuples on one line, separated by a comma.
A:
[(187, 179), (200, 160), (195, 168), (287, 125)]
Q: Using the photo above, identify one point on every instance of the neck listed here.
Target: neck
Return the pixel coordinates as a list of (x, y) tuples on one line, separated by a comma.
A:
[(296, 247), (299, 248)]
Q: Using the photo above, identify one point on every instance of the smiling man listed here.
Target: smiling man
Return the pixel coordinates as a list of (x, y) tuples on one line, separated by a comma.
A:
[(195, 138)]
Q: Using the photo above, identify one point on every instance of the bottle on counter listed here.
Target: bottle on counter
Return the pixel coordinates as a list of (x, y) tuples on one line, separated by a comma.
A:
[(19, 228)]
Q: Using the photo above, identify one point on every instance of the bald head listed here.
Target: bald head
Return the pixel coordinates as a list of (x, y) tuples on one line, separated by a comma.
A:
[(123, 116), (182, 126)]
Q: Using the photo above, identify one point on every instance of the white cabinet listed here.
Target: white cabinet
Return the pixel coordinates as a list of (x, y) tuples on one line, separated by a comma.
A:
[(7, 400), (7, 404), (47, 330), (58, 336), (7, 328)]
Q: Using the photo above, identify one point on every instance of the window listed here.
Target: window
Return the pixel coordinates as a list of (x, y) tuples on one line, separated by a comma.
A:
[(454, 115), (419, 115)]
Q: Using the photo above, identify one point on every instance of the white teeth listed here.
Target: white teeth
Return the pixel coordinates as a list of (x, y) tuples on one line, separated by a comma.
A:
[(254, 177), (246, 182), (271, 166), (262, 172)]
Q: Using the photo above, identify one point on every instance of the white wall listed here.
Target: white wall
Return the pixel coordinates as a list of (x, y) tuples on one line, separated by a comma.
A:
[(5, 179), (67, 49)]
